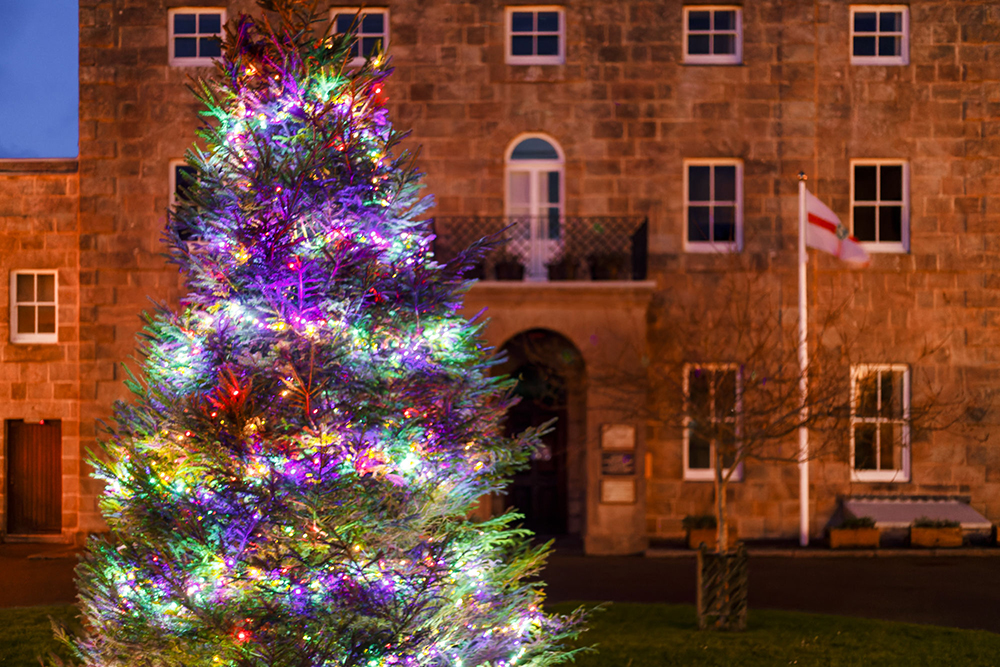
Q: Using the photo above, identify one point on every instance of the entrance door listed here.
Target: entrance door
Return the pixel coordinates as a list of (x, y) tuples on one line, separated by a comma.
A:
[(539, 493), (34, 477)]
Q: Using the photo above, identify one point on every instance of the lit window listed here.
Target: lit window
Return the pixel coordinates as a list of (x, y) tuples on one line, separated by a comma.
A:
[(370, 29), (879, 35), (711, 420), (713, 35), (880, 430), (713, 205), (879, 210), (535, 201), (536, 35), (195, 35), (33, 306)]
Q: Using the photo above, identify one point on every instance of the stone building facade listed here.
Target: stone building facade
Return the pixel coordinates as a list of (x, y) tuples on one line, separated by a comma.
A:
[(892, 110)]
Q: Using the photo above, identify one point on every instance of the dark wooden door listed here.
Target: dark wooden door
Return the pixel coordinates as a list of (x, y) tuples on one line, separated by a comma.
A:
[(34, 477), (539, 493)]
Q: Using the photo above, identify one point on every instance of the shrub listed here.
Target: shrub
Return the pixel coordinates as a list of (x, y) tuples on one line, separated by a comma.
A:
[(858, 522)]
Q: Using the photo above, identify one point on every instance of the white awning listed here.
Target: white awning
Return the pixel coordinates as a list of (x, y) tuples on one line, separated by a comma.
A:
[(895, 512)]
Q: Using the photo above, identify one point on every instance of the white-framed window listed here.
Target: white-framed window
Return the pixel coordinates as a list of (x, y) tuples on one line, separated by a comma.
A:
[(880, 34), (370, 27), (880, 423), (880, 194), (712, 405), (713, 205), (534, 195), (535, 35), (713, 35), (34, 306), (181, 176), (195, 35)]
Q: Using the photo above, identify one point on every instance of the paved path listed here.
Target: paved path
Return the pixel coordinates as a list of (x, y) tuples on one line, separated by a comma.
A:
[(958, 591)]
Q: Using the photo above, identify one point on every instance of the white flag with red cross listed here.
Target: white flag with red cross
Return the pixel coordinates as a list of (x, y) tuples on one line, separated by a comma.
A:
[(826, 232)]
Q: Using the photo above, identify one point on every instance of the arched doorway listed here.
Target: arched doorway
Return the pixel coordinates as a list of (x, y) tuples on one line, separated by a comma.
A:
[(550, 383)]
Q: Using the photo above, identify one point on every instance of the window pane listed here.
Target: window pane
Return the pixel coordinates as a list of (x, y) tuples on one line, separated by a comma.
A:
[(699, 44), (892, 183), (864, 46), (548, 45), (46, 288), (864, 223), (209, 23), (373, 23), (890, 223), (522, 46), (864, 447), (867, 405), (888, 46), (46, 319), (864, 22), (369, 45), (25, 319), (725, 183), (864, 183), (699, 20), (344, 22), (553, 223), (548, 21), (890, 22), (698, 224), (184, 24), (725, 395), (25, 287), (725, 223), (520, 191), (522, 22), (185, 47), (699, 453), (698, 393), (725, 20), (552, 187), (183, 179), (724, 44), (699, 186), (888, 442), (210, 47), (892, 394), (534, 149)]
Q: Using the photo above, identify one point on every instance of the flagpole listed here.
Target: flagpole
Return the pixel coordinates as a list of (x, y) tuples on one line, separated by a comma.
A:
[(803, 378)]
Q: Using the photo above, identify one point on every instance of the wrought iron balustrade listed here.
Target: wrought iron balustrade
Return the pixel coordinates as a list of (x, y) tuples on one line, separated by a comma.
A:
[(548, 248)]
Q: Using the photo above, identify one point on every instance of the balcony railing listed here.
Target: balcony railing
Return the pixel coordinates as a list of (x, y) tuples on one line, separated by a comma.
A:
[(548, 248)]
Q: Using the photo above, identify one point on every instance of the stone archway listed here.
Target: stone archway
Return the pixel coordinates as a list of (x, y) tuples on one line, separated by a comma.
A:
[(551, 384)]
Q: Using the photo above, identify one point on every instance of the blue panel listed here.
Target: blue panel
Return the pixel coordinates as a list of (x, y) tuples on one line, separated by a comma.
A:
[(699, 20), (184, 24), (522, 46), (522, 22), (534, 149), (548, 45), (864, 46), (864, 21), (373, 23), (210, 47), (209, 23), (344, 23), (185, 47), (698, 45), (548, 21)]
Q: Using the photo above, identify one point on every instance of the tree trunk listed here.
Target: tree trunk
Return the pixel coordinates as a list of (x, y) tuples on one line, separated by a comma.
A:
[(722, 540)]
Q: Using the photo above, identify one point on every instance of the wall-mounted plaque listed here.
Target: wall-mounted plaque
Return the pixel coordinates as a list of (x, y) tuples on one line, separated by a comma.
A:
[(617, 436), (617, 463), (618, 491)]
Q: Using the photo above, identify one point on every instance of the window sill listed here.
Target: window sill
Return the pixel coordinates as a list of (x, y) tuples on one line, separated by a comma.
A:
[(880, 476), (893, 248), (709, 476)]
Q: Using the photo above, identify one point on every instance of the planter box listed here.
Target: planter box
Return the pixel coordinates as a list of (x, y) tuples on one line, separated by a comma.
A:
[(709, 536), (936, 537), (854, 538)]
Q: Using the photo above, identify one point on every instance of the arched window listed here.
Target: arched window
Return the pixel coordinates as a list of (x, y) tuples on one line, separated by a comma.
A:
[(535, 195)]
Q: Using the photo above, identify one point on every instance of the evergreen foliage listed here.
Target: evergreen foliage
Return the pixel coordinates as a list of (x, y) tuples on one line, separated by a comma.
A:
[(292, 482)]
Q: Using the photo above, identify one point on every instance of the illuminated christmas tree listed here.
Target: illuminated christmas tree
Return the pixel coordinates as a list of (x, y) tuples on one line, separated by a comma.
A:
[(291, 484)]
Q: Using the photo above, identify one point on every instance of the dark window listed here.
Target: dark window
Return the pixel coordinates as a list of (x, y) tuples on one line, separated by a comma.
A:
[(370, 30), (197, 35), (713, 32), (712, 203), (878, 203), (535, 33), (878, 34)]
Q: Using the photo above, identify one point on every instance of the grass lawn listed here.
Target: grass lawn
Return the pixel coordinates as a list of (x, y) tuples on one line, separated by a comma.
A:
[(657, 635), (660, 635)]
